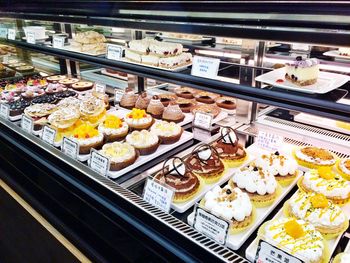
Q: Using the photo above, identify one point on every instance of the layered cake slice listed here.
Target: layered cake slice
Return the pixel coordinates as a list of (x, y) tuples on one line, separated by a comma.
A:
[(302, 72)]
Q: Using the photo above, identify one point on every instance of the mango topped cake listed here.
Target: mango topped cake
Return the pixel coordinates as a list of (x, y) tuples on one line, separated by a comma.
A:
[(113, 128), (87, 137), (139, 119), (314, 157), (316, 209)]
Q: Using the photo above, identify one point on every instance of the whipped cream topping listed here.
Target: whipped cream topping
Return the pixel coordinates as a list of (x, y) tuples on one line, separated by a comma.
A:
[(166, 129), (70, 101), (330, 216), (142, 139), (88, 141), (277, 164), (309, 247), (337, 187), (313, 159), (144, 120), (230, 203), (255, 180), (344, 166), (112, 131), (304, 63), (118, 152), (345, 258)]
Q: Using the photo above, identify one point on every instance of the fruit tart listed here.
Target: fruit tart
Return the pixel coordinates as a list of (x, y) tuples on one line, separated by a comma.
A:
[(113, 128), (120, 154), (65, 94), (343, 168), (17, 107), (328, 218), (46, 98), (128, 99), (314, 157), (139, 119), (155, 107), (39, 113), (87, 138), (205, 162), (32, 92), (173, 113), (144, 141), (167, 132), (92, 110)]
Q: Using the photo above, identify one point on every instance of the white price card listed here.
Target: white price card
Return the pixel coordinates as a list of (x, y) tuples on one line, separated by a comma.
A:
[(158, 195), (48, 134), (4, 110), (100, 88), (114, 52), (58, 42), (202, 120), (118, 94), (70, 148), (211, 225), (269, 141), (98, 162), (205, 67), (11, 34), (30, 37), (3, 32), (27, 124), (269, 253)]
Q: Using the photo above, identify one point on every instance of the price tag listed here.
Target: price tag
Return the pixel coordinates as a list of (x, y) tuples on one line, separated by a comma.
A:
[(205, 67), (158, 195), (99, 163), (11, 34), (269, 141), (211, 225), (27, 124), (100, 88), (269, 253), (118, 94), (203, 120), (30, 37), (70, 148), (4, 110), (3, 32), (58, 42), (48, 135), (114, 52)]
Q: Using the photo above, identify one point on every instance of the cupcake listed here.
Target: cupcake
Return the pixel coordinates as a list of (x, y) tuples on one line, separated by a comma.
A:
[(205, 162), (87, 138), (185, 92), (173, 113), (167, 132), (120, 154), (139, 119), (142, 101), (128, 99), (113, 128), (343, 167), (231, 204), (314, 157), (144, 141), (155, 107), (206, 97)]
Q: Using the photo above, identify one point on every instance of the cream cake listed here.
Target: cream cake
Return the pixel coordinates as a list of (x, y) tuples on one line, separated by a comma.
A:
[(139, 119), (144, 141), (314, 157), (133, 56), (120, 154), (113, 128), (168, 132), (87, 137), (302, 72)]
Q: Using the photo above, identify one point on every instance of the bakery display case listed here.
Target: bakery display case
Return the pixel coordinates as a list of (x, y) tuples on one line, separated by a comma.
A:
[(175, 131)]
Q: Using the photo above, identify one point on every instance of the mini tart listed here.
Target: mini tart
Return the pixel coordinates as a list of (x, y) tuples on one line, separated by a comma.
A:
[(185, 92), (120, 154), (231, 204), (32, 93), (65, 94), (155, 107), (326, 182), (68, 81), (139, 119), (342, 258), (142, 101), (56, 78), (173, 113), (210, 109), (185, 104), (297, 237), (144, 141), (260, 185), (39, 113), (24, 69), (343, 168), (227, 103), (87, 137), (206, 97), (284, 168), (314, 157), (82, 85), (113, 128), (128, 99), (167, 132), (64, 117), (328, 218), (167, 98)]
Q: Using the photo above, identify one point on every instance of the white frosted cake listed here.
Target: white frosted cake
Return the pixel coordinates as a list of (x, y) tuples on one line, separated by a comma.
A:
[(302, 72), (344, 51)]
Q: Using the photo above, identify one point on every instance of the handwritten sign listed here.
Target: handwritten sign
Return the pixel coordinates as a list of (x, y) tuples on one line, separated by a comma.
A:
[(27, 124), (205, 67), (70, 148), (99, 163), (269, 253), (269, 141), (158, 195), (114, 52)]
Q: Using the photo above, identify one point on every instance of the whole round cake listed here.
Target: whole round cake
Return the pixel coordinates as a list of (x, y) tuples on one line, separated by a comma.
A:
[(120, 154)]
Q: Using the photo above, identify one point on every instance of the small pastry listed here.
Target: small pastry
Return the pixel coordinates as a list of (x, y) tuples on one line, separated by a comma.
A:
[(69, 102), (144, 141), (113, 128), (87, 137), (168, 132), (24, 69), (17, 107), (139, 119), (142, 101), (39, 113), (210, 109), (167, 98), (92, 110), (82, 85), (54, 88), (128, 99), (32, 93), (64, 117), (206, 97), (227, 103), (56, 78), (176, 175), (68, 81), (65, 94), (343, 167), (231, 204), (46, 98), (173, 113), (155, 107), (120, 154), (185, 104), (342, 258), (314, 157), (205, 162), (16, 65), (185, 92)]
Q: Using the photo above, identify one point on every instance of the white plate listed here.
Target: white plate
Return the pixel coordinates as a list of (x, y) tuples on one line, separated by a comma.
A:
[(326, 81), (177, 69), (332, 243), (70, 48), (335, 54)]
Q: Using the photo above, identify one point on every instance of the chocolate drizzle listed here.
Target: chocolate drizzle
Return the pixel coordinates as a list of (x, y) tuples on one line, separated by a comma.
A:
[(225, 133), (175, 166), (204, 147)]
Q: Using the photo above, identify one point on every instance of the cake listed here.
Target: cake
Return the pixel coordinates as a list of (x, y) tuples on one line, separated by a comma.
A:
[(164, 49), (113, 128), (176, 61), (45, 98), (87, 138), (133, 56), (328, 218), (155, 107), (176, 175), (167, 132), (90, 42), (152, 60), (167, 98), (343, 167), (69, 102), (205, 108), (65, 94), (206, 97), (302, 72), (32, 92), (344, 51), (128, 99), (260, 185), (39, 113), (24, 69), (230, 151), (342, 258), (314, 157), (140, 46), (284, 168), (55, 78), (68, 81), (205, 162), (92, 110), (120, 154), (144, 141), (227, 103), (139, 119), (17, 107), (185, 104), (232, 204), (142, 101), (173, 113), (297, 237), (185, 92), (82, 85), (53, 88), (325, 181)]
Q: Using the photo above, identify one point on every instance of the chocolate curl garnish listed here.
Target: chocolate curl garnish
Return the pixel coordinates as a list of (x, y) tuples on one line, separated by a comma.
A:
[(203, 147), (175, 167), (225, 131)]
